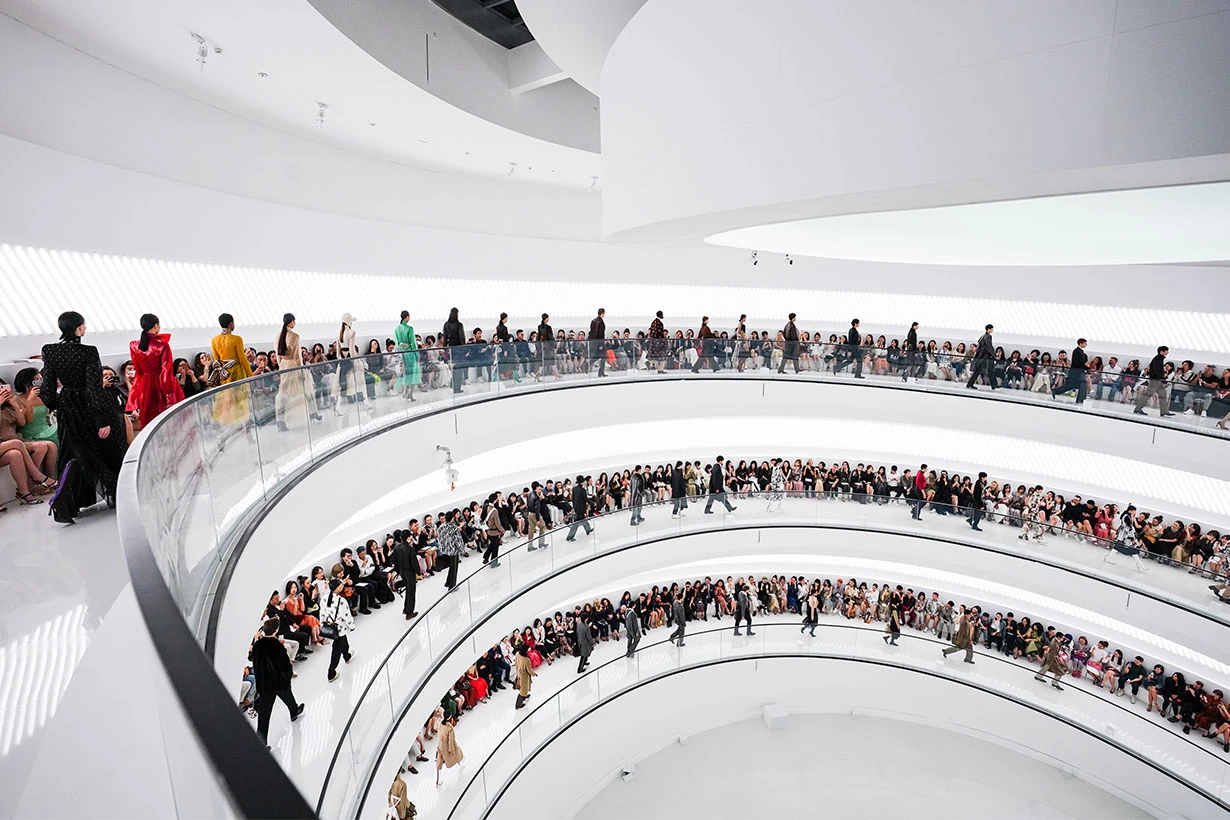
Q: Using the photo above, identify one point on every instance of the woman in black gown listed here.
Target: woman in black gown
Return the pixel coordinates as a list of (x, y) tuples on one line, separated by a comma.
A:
[(92, 440)]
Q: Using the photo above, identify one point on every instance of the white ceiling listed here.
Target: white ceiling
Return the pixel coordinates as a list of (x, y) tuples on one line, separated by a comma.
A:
[(1182, 223), (306, 60)]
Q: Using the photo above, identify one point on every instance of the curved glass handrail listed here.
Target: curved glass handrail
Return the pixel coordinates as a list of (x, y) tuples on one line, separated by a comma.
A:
[(208, 468), (1197, 765), (396, 682), (211, 464)]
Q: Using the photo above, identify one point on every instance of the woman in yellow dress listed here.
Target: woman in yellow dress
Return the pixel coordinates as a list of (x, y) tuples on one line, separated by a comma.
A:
[(231, 403)]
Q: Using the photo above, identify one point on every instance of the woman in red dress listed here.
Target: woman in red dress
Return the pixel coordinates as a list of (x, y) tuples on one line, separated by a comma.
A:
[(155, 387)]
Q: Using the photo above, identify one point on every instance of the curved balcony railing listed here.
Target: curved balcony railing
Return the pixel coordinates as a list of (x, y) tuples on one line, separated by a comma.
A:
[(443, 625), (1199, 766), (202, 474)]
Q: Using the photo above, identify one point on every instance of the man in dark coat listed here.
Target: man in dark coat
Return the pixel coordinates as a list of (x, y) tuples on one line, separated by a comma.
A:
[(585, 643), (717, 487), (597, 341), (910, 353), (964, 639), (743, 609), (636, 495), (580, 510), (273, 672), (680, 619), (632, 623), (407, 565), (790, 350), (984, 360), (679, 491)]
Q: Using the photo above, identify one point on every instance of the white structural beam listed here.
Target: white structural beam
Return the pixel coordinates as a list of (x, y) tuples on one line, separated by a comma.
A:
[(529, 67)]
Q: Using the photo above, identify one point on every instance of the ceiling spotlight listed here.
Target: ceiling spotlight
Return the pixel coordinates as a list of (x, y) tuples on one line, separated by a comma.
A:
[(789, 261), (262, 74), (755, 261), (372, 124), (321, 108), (593, 183), (512, 166)]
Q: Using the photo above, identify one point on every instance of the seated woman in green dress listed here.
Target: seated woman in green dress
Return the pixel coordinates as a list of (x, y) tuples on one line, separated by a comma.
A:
[(37, 427)]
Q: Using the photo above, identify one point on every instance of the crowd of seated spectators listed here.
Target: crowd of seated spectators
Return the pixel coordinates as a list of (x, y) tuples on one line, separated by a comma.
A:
[(554, 636), (369, 578)]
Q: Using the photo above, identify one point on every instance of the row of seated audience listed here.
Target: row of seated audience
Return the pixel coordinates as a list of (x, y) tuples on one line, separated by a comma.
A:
[(512, 662), (372, 576)]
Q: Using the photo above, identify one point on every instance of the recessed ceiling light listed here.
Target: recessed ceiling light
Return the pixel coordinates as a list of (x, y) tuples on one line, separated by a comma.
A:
[(372, 124), (423, 141), (262, 74)]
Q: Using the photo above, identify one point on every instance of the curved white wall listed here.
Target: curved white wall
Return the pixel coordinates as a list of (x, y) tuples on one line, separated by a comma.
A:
[(829, 107)]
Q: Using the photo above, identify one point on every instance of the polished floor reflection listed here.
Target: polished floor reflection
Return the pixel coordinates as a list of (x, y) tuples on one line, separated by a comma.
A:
[(57, 583)]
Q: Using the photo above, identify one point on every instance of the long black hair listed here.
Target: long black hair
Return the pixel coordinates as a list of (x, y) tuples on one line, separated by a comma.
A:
[(68, 322), (148, 320), (287, 318)]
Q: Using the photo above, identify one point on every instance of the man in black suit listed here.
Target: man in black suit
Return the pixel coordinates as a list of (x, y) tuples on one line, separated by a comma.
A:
[(910, 353), (597, 341), (1078, 374), (717, 487), (679, 491), (979, 502), (580, 510), (984, 360), (790, 350), (407, 565), (854, 341), (636, 495), (273, 672)]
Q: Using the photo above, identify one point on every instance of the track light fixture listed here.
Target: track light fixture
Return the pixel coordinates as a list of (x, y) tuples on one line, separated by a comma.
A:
[(321, 108), (755, 261), (512, 167), (202, 49), (789, 261)]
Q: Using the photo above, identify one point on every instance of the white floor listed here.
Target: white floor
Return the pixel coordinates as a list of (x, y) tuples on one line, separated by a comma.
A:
[(843, 766), (56, 585)]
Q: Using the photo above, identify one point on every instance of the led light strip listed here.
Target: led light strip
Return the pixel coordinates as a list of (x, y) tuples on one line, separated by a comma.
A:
[(191, 295)]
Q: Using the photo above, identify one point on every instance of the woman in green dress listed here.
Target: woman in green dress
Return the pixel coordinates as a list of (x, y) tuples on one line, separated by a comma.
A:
[(37, 427), (409, 356)]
